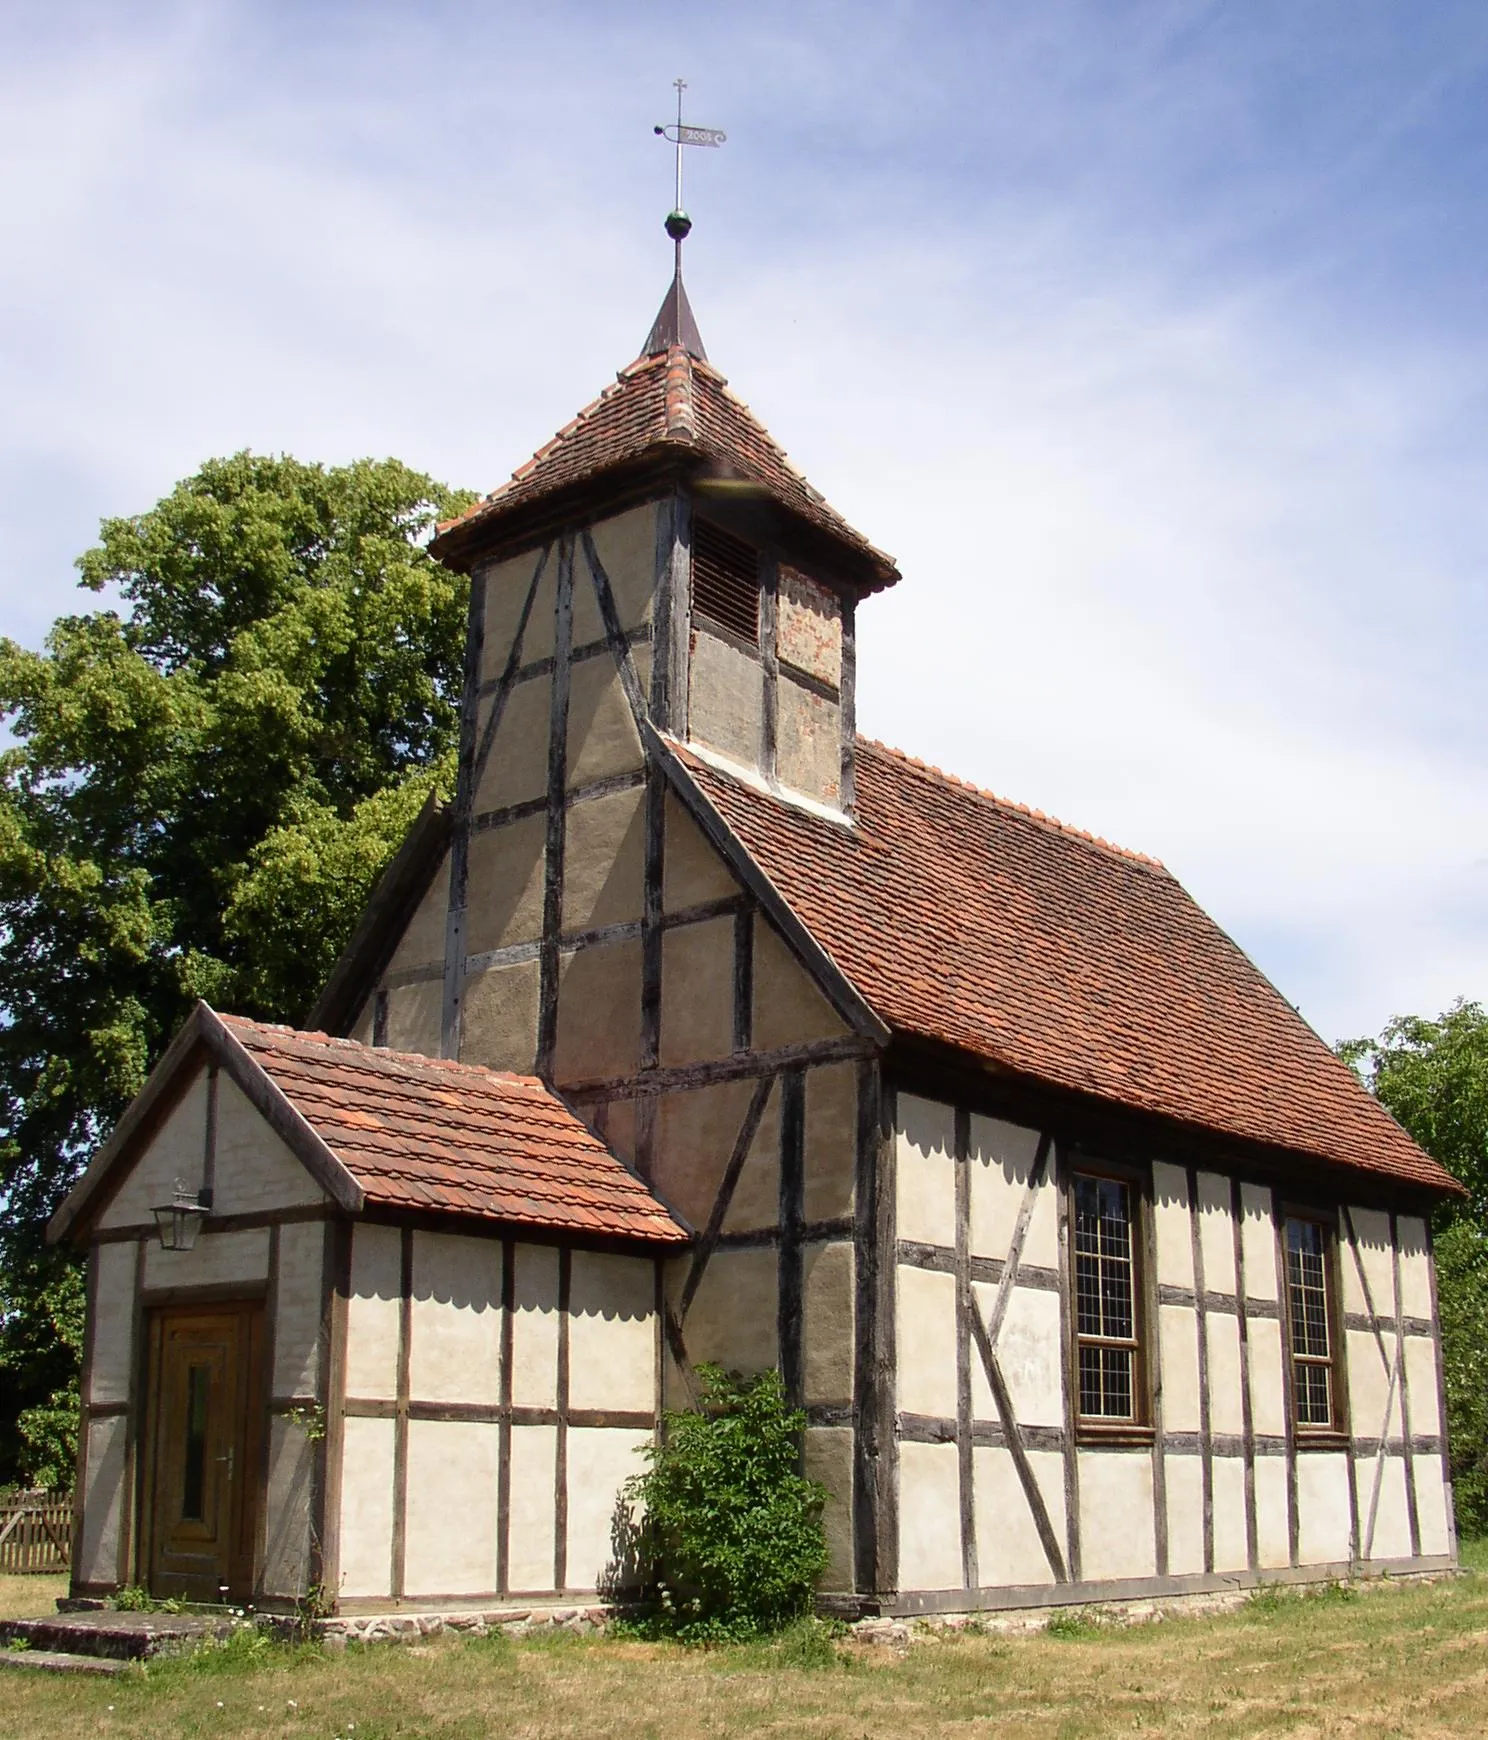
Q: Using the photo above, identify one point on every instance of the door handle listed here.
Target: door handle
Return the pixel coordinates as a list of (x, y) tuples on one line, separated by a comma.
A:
[(228, 1459)]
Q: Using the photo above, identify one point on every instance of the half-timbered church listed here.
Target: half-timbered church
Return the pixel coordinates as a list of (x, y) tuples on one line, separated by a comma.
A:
[(698, 1027)]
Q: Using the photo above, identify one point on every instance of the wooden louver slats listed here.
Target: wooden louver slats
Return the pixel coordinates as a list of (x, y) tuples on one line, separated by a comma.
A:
[(725, 581)]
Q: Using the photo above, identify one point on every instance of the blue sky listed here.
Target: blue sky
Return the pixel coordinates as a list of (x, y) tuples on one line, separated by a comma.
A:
[(1150, 338)]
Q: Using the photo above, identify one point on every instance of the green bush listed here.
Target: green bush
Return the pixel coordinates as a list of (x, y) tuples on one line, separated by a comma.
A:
[(730, 1542)]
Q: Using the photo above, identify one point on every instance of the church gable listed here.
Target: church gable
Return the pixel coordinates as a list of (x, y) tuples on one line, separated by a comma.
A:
[(253, 1170)]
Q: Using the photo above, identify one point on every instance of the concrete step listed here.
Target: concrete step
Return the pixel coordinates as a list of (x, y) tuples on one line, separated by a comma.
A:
[(57, 1661), (112, 1635)]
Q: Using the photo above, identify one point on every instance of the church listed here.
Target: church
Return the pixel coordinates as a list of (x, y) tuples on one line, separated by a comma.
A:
[(698, 1027)]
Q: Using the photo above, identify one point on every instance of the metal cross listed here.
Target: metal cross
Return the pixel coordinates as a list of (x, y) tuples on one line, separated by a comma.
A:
[(680, 134)]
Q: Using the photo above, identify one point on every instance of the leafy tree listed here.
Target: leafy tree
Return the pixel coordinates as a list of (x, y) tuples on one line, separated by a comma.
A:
[(731, 1541), (201, 789), (1433, 1077)]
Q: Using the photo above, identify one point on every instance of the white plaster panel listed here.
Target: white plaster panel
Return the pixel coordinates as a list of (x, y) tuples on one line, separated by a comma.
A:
[(367, 1506), (1415, 1267), (1117, 1538), (1226, 1404), (1420, 1379), (1008, 1546), (178, 1149), (929, 1517), (415, 1014), (111, 1359), (455, 1327), (297, 1307), (693, 872), (450, 1547), (831, 1141), (535, 1332), (827, 1301), (612, 1333), (1179, 1328), (600, 1461), (1184, 1476), (1322, 1507), (789, 1007), (287, 1510), (1372, 1240), (372, 1312), (1391, 1519), (1002, 1157), (507, 585), (1231, 1551), (1216, 1233), (925, 1174), (216, 1260), (626, 547), (422, 941), (1029, 1351), (602, 735), (725, 697), (1258, 1243), (530, 1536), (255, 1170), (1431, 1506), (1171, 1225), (1267, 1391), (733, 1317), (829, 1459), (926, 1346), (103, 1501), (1273, 1537), (517, 768), (1369, 1385)]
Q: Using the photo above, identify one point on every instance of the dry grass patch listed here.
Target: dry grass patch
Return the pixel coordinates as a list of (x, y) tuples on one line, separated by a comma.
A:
[(1402, 1660), (30, 1597)]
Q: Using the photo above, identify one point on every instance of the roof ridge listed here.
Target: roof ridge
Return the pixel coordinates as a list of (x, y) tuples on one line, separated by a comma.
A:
[(1026, 810), (374, 1053)]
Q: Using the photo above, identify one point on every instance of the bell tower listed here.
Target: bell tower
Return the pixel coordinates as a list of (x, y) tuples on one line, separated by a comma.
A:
[(656, 581)]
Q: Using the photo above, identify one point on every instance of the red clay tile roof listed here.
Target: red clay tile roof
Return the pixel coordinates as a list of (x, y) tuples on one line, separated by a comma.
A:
[(669, 401), (419, 1133), (962, 918)]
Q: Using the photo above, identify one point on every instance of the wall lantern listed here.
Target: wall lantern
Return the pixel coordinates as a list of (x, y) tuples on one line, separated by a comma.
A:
[(179, 1220)]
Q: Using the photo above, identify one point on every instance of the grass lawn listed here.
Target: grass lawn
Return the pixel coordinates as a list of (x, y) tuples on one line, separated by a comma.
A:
[(1403, 1660), (30, 1597)]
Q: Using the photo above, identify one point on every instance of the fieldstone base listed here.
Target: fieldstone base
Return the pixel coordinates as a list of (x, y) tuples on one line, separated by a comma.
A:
[(404, 1627)]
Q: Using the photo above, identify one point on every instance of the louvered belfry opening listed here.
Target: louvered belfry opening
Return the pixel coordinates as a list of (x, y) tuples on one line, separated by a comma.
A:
[(725, 581)]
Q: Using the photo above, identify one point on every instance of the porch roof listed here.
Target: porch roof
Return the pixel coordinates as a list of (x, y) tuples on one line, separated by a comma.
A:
[(426, 1134)]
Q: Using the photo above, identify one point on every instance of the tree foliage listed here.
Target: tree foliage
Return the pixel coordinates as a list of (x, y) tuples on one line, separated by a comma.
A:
[(201, 788), (731, 1539), (1432, 1075)]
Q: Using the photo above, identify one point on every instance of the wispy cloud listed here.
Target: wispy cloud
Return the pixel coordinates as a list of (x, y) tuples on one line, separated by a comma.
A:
[(1148, 336)]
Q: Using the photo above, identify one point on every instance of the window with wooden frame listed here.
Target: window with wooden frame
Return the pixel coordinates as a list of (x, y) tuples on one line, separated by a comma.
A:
[(725, 581), (1310, 1319), (1109, 1378)]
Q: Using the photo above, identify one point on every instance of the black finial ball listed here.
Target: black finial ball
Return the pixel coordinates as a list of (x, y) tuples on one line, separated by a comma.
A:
[(678, 225)]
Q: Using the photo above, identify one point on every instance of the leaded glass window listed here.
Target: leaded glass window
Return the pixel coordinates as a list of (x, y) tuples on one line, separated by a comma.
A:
[(1105, 1299), (1307, 1298)]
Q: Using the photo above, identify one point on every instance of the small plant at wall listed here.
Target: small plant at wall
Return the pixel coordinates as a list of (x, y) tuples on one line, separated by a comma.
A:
[(730, 1541), (311, 1421)]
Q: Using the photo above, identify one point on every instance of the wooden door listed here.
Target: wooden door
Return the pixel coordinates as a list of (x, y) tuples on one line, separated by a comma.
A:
[(203, 1464)]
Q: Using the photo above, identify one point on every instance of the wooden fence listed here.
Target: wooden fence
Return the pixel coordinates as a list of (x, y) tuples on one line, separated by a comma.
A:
[(35, 1532)]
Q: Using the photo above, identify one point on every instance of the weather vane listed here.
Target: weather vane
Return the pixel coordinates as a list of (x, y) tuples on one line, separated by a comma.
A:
[(681, 134)]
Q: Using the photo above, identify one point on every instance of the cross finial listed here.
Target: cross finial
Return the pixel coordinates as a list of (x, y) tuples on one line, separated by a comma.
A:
[(678, 224)]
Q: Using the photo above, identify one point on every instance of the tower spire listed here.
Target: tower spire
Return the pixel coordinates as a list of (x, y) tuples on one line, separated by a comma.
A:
[(675, 323)]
